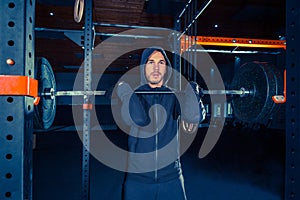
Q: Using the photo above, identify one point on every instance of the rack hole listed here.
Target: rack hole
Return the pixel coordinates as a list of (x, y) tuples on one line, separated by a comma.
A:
[(293, 65), (8, 194), (10, 99), (293, 107), (10, 118), (11, 43), (11, 24), (8, 175), (11, 5), (292, 166), (293, 150), (293, 135), (8, 156), (292, 195), (29, 107), (9, 137), (292, 180)]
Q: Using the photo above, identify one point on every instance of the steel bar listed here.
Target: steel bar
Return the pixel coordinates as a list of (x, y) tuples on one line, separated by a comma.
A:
[(51, 93), (16, 113), (101, 93), (203, 7), (226, 92), (129, 26), (184, 9), (88, 46), (98, 33), (79, 93), (292, 119), (205, 92)]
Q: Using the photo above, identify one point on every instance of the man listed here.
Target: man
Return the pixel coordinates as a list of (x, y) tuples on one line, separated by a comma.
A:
[(153, 113)]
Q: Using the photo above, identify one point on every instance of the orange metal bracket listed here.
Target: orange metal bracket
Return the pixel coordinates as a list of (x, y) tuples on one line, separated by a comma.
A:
[(279, 99), (87, 106), (19, 86), (188, 41)]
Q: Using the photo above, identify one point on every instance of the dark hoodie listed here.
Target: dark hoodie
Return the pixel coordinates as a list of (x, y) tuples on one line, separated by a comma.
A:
[(154, 120)]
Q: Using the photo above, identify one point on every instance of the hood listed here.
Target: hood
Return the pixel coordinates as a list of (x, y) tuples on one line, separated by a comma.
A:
[(146, 53)]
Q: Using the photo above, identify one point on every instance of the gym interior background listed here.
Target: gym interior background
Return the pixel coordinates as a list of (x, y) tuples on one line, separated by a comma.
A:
[(41, 154)]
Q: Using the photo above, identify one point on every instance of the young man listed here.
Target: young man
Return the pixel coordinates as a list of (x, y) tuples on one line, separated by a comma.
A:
[(153, 113)]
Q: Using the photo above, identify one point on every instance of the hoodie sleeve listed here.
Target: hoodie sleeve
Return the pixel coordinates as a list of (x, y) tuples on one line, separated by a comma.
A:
[(193, 108), (132, 110)]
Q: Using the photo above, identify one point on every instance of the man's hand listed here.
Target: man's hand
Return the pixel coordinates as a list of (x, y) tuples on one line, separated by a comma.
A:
[(189, 127), (123, 90), (197, 89)]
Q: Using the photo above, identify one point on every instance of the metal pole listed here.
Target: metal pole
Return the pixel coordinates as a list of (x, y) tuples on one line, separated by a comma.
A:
[(129, 26), (203, 7), (292, 173), (16, 112), (88, 46)]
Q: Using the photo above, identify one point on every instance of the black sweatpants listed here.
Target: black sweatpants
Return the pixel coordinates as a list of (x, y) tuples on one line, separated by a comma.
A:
[(173, 189)]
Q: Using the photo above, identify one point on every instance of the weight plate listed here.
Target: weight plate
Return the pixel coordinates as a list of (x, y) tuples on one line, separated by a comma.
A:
[(44, 112), (264, 81)]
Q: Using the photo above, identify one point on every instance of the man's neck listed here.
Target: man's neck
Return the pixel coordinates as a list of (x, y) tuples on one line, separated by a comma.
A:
[(155, 85)]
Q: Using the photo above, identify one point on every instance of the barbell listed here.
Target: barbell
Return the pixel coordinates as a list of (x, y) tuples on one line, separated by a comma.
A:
[(257, 83), (242, 92)]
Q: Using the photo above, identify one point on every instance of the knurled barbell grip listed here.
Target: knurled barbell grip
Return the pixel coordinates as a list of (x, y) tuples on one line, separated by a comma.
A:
[(80, 93), (51, 93)]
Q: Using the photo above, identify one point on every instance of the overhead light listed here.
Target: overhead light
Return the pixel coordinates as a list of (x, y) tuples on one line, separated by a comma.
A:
[(51, 14), (216, 25)]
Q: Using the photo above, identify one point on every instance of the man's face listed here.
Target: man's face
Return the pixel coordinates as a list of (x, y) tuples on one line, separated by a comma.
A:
[(155, 69)]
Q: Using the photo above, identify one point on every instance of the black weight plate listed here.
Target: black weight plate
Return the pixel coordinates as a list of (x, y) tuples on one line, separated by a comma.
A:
[(44, 112), (261, 79)]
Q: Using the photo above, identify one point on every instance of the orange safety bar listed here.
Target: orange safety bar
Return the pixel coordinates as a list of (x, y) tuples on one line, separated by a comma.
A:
[(19, 86), (188, 41)]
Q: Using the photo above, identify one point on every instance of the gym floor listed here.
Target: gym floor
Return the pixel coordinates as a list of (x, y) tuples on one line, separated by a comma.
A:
[(244, 164)]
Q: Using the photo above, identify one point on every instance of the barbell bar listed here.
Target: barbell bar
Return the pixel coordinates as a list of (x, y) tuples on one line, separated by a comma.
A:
[(242, 92), (258, 82), (50, 93)]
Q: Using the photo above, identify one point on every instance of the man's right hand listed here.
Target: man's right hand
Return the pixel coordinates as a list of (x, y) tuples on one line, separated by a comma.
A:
[(123, 90)]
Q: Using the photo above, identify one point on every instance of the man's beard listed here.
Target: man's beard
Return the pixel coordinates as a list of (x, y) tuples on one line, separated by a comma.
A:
[(155, 81)]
